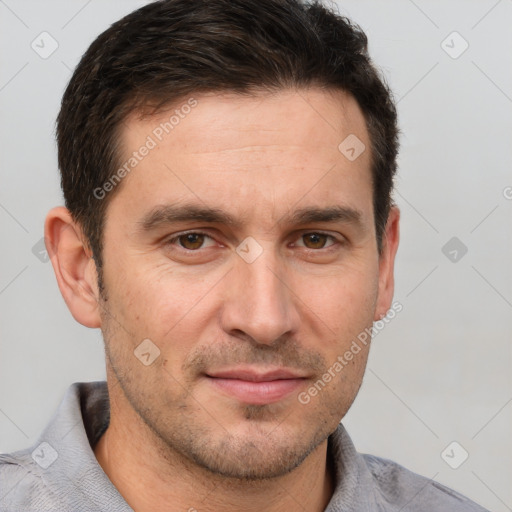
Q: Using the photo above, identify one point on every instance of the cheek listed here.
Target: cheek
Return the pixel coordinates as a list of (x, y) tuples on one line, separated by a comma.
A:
[(152, 297), (345, 300), (345, 308), (169, 308)]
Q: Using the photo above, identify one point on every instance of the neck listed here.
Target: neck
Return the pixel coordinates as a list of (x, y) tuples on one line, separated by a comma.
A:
[(151, 476)]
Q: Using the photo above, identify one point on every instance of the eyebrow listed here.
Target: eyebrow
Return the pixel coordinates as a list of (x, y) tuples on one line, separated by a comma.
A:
[(169, 214)]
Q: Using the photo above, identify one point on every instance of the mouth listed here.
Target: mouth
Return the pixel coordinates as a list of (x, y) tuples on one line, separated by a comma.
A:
[(257, 387)]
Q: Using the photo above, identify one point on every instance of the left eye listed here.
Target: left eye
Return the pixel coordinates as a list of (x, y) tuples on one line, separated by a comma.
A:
[(317, 240)]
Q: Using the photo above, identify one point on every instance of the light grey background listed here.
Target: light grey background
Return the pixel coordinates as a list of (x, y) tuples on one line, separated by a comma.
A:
[(441, 370)]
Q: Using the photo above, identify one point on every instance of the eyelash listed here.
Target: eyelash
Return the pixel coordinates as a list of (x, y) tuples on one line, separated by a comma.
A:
[(175, 238)]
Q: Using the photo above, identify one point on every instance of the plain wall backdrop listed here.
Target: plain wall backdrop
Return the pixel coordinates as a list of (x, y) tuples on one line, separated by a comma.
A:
[(440, 372)]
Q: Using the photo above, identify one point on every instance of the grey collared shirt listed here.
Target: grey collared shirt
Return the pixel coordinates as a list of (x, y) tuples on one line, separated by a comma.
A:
[(60, 472)]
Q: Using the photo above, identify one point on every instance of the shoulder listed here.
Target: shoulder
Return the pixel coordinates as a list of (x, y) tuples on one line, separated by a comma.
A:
[(396, 485), (23, 486)]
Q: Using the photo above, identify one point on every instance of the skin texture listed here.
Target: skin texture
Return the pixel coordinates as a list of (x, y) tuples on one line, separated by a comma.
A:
[(176, 440)]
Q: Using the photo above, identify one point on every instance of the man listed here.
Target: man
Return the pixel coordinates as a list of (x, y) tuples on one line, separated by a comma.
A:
[(227, 168)]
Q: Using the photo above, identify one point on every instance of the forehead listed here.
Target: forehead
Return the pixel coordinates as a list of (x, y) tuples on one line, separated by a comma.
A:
[(236, 151), (313, 117)]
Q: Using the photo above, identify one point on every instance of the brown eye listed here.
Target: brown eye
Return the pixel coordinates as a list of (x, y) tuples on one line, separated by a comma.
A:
[(316, 240), (189, 241)]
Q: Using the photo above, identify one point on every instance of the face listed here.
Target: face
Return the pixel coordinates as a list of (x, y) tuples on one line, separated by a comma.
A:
[(242, 246)]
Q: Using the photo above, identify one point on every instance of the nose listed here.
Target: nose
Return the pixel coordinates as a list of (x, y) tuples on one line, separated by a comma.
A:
[(259, 301)]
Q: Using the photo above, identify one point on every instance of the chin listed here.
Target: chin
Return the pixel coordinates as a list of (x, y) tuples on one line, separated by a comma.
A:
[(254, 455)]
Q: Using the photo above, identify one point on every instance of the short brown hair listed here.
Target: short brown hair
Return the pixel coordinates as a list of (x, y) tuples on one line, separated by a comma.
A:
[(172, 48)]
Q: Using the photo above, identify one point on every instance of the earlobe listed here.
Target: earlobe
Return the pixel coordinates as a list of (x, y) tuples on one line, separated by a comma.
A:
[(390, 242), (73, 265)]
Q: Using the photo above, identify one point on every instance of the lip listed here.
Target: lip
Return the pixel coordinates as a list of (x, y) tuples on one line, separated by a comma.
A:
[(256, 387)]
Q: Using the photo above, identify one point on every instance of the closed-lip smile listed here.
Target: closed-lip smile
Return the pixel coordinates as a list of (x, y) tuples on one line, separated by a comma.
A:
[(255, 386)]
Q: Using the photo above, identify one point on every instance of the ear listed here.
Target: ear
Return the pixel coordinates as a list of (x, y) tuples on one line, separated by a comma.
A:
[(74, 266), (390, 241)]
